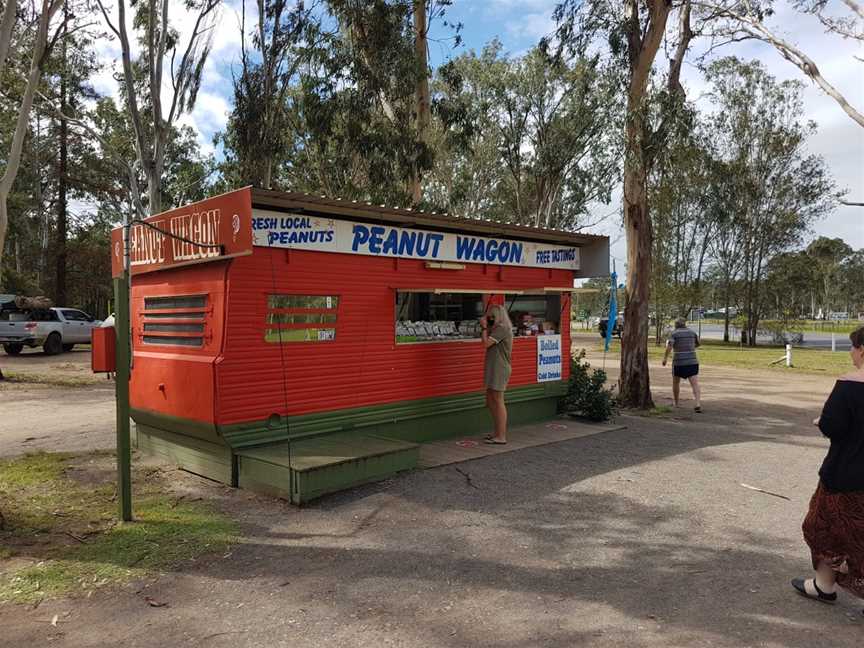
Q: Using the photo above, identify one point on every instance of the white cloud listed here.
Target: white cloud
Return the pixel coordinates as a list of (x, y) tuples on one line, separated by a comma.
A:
[(545, 6), (531, 27)]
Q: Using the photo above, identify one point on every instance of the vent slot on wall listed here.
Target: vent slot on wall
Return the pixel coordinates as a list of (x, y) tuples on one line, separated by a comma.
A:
[(175, 321)]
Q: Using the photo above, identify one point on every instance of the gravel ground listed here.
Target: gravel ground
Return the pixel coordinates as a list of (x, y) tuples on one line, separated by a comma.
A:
[(640, 537)]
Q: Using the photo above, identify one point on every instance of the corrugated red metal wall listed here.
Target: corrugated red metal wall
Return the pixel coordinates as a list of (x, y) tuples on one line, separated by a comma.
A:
[(178, 380), (363, 366)]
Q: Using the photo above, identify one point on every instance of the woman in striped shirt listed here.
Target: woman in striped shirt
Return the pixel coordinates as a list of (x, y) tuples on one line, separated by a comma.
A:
[(685, 363)]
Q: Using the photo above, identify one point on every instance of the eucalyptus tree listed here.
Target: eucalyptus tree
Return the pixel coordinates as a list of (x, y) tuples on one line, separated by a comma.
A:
[(760, 135), (635, 32), (683, 193), (37, 41), (828, 255), (528, 139), (161, 50), (270, 59)]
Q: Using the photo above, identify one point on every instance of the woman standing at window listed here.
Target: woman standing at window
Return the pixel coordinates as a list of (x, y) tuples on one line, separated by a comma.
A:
[(497, 335), (834, 526)]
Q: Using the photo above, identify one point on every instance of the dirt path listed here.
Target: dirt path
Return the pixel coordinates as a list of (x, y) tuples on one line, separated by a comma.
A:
[(54, 418), (640, 538)]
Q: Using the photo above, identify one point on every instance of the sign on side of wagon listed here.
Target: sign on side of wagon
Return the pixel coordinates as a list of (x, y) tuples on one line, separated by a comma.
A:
[(548, 358), (302, 232), (208, 230)]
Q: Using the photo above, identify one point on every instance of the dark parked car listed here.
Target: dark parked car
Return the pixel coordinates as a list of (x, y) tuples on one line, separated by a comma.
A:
[(616, 330)]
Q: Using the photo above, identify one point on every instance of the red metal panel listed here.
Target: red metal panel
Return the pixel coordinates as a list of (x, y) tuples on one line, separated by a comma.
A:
[(178, 380), (363, 366), (103, 358)]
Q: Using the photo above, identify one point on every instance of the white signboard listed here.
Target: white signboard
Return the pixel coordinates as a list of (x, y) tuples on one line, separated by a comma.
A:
[(301, 232), (548, 358)]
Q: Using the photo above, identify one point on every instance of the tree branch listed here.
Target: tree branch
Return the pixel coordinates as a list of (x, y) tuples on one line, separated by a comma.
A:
[(854, 6), (6, 26), (752, 25), (107, 150), (129, 81)]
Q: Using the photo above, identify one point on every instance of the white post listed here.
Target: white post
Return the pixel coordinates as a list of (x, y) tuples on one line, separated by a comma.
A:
[(788, 355), (833, 342)]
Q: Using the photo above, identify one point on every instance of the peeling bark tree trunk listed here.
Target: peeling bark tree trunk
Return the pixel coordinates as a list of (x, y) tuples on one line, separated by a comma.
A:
[(635, 383), (642, 46)]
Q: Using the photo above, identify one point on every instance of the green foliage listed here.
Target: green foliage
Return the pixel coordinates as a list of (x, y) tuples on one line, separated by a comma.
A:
[(531, 139), (338, 88), (17, 283), (587, 394)]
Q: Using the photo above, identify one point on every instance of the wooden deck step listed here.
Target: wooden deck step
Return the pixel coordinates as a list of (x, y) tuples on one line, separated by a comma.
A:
[(303, 470)]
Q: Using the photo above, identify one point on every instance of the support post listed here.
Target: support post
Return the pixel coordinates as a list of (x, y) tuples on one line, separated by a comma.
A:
[(124, 450), (833, 342), (788, 355)]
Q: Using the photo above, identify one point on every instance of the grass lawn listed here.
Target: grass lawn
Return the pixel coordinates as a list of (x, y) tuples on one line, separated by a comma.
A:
[(843, 327), (717, 353), (55, 379), (61, 534)]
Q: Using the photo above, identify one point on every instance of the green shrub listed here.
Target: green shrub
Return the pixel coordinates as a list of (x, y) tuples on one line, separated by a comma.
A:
[(587, 393)]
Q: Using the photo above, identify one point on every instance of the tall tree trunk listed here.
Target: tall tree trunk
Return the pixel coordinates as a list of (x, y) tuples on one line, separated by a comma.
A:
[(13, 158), (421, 93), (62, 176), (642, 46), (635, 383)]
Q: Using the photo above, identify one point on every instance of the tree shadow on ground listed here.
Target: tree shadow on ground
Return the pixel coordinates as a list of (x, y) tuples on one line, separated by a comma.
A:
[(546, 536)]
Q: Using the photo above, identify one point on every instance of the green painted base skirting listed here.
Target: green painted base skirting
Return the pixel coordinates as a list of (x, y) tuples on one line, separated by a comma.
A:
[(419, 420), (209, 460), (332, 451)]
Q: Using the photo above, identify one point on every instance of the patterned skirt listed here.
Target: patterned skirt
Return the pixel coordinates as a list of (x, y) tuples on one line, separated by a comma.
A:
[(834, 531)]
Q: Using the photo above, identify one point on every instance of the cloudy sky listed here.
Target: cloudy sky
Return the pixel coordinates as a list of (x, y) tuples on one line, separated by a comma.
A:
[(519, 24)]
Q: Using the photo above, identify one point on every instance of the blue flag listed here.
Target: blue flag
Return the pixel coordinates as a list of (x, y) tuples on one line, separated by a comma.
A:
[(613, 310)]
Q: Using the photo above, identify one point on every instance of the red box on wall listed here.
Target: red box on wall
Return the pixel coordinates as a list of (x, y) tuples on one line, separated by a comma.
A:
[(103, 357)]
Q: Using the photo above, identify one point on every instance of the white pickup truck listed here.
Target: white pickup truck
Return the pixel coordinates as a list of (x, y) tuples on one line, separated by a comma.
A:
[(54, 329)]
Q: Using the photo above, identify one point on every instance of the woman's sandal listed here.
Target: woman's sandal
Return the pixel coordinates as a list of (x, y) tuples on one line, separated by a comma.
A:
[(698, 409), (494, 441), (809, 589)]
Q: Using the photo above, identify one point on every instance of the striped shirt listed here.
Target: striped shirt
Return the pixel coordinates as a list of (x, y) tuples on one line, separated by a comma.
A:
[(684, 342)]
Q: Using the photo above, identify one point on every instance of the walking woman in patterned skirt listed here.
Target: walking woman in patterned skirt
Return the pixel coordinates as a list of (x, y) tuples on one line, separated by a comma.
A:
[(834, 526)]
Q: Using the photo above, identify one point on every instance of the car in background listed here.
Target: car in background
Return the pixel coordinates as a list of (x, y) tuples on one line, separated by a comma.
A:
[(55, 329), (616, 330)]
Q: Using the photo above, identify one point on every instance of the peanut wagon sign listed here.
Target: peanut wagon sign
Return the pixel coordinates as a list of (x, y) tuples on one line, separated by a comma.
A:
[(213, 229), (304, 232)]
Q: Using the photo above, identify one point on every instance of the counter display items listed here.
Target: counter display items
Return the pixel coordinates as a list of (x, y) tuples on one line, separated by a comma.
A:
[(318, 342)]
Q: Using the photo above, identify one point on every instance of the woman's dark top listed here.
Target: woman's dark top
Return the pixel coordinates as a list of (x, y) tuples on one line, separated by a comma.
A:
[(842, 421)]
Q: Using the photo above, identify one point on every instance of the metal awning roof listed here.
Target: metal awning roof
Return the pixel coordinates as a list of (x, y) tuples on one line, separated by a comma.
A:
[(364, 211)]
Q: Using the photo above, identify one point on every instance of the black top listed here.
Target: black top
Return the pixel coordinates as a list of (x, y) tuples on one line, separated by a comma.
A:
[(842, 421)]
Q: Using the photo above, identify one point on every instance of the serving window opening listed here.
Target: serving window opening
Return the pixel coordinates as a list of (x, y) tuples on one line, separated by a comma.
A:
[(533, 315), (300, 318), (437, 316)]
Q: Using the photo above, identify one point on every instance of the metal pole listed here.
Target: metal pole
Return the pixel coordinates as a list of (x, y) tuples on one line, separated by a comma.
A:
[(788, 355), (121, 327), (833, 342)]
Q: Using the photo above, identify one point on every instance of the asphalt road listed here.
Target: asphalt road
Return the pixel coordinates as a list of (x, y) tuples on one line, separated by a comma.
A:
[(811, 340)]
